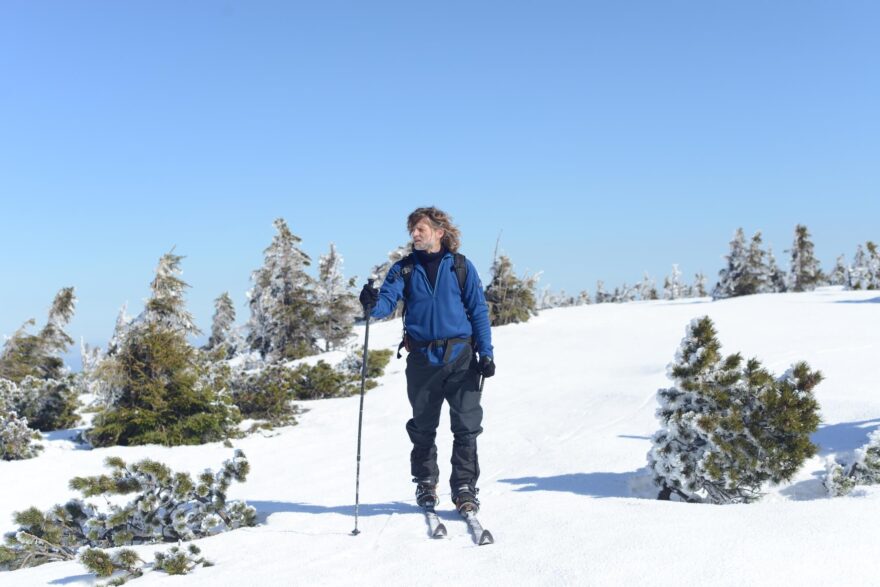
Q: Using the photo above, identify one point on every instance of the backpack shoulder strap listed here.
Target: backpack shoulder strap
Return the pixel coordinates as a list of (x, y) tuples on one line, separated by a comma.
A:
[(406, 269), (461, 270)]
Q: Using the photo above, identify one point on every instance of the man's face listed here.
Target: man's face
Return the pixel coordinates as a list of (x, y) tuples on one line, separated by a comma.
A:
[(426, 237)]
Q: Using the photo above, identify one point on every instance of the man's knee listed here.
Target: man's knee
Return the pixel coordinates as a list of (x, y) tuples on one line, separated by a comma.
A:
[(419, 436)]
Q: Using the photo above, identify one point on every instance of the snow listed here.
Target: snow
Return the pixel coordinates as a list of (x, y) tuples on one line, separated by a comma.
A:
[(568, 420)]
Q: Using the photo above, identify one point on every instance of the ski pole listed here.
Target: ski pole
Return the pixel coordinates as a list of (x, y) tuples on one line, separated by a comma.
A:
[(357, 486)]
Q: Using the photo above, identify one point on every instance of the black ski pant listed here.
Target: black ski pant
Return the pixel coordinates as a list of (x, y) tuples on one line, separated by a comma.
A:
[(428, 385)]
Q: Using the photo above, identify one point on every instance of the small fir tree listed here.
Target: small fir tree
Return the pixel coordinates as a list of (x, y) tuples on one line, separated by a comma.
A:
[(337, 305), (647, 288), (583, 298), (16, 439), (46, 404), (729, 278), (222, 333), (39, 355), (873, 266), (510, 299), (283, 310), (860, 272), (616, 296), (757, 278), (40, 389), (602, 297), (163, 391), (626, 293), (805, 273), (840, 273), (673, 288), (381, 270), (120, 330), (841, 477), (698, 290), (728, 427), (166, 308), (776, 276)]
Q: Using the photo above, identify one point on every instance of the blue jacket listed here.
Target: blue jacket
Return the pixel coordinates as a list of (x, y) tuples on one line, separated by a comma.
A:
[(438, 311)]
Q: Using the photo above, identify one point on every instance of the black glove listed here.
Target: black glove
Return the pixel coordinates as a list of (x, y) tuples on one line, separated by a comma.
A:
[(487, 366), (369, 297)]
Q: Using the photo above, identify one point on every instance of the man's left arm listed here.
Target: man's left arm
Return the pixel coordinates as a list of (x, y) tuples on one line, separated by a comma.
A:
[(478, 312)]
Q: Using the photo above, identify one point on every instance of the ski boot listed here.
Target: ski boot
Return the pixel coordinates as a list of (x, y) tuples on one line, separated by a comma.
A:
[(426, 494), (465, 499)]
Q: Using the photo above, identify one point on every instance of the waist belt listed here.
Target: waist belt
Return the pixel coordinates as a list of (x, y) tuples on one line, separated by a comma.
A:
[(410, 343)]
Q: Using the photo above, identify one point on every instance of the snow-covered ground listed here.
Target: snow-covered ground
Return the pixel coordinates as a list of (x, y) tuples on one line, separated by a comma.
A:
[(567, 425)]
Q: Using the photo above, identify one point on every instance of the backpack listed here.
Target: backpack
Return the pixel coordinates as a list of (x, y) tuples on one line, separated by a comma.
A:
[(459, 265)]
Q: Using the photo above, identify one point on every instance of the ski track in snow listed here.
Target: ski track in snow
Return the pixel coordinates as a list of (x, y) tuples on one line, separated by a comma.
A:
[(568, 421)]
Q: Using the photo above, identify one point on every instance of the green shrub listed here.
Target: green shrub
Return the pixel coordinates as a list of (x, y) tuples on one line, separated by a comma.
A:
[(166, 507), (165, 392)]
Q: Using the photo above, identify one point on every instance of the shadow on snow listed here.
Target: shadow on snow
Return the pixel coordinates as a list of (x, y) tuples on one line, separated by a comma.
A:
[(267, 508), (871, 301), (843, 437), (74, 579), (591, 484)]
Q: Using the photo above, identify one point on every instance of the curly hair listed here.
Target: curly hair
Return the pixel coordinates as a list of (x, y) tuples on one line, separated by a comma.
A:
[(438, 219)]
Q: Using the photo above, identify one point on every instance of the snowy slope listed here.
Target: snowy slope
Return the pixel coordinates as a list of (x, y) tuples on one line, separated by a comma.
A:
[(568, 418)]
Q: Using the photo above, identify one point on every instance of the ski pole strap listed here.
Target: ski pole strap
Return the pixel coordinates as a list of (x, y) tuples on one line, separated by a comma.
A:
[(410, 344)]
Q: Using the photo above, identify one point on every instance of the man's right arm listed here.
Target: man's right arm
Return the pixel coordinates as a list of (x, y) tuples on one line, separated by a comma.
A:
[(389, 294)]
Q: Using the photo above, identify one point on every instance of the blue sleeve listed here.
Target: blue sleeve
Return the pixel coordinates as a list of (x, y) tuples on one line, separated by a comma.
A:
[(390, 293), (478, 311)]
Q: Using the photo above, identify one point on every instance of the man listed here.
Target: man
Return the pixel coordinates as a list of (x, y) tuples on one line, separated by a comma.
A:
[(446, 327)]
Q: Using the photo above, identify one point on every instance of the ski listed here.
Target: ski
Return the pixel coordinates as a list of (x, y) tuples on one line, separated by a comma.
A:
[(480, 535), (435, 527)]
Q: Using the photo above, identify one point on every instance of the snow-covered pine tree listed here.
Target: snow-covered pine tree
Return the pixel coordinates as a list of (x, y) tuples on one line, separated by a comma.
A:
[(805, 273), (729, 278), (698, 290), (283, 310), (546, 299), (583, 298), (165, 307), (673, 288), (162, 389), (120, 330), (776, 278), (39, 355), (873, 266), (16, 439), (762, 432), (647, 288), (859, 272), (381, 270), (840, 273), (616, 296), (757, 278), (841, 478), (602, 297), (222, 333), (337, 305), (511, 299), (44, 393), (727, 428), (679, 445), (627, 293), (166, 507)]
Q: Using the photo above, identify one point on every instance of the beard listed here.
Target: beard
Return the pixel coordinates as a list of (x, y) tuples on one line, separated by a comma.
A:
[(423, 245)]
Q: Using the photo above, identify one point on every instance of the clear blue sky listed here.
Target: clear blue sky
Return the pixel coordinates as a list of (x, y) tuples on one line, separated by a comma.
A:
[(604, 138)]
